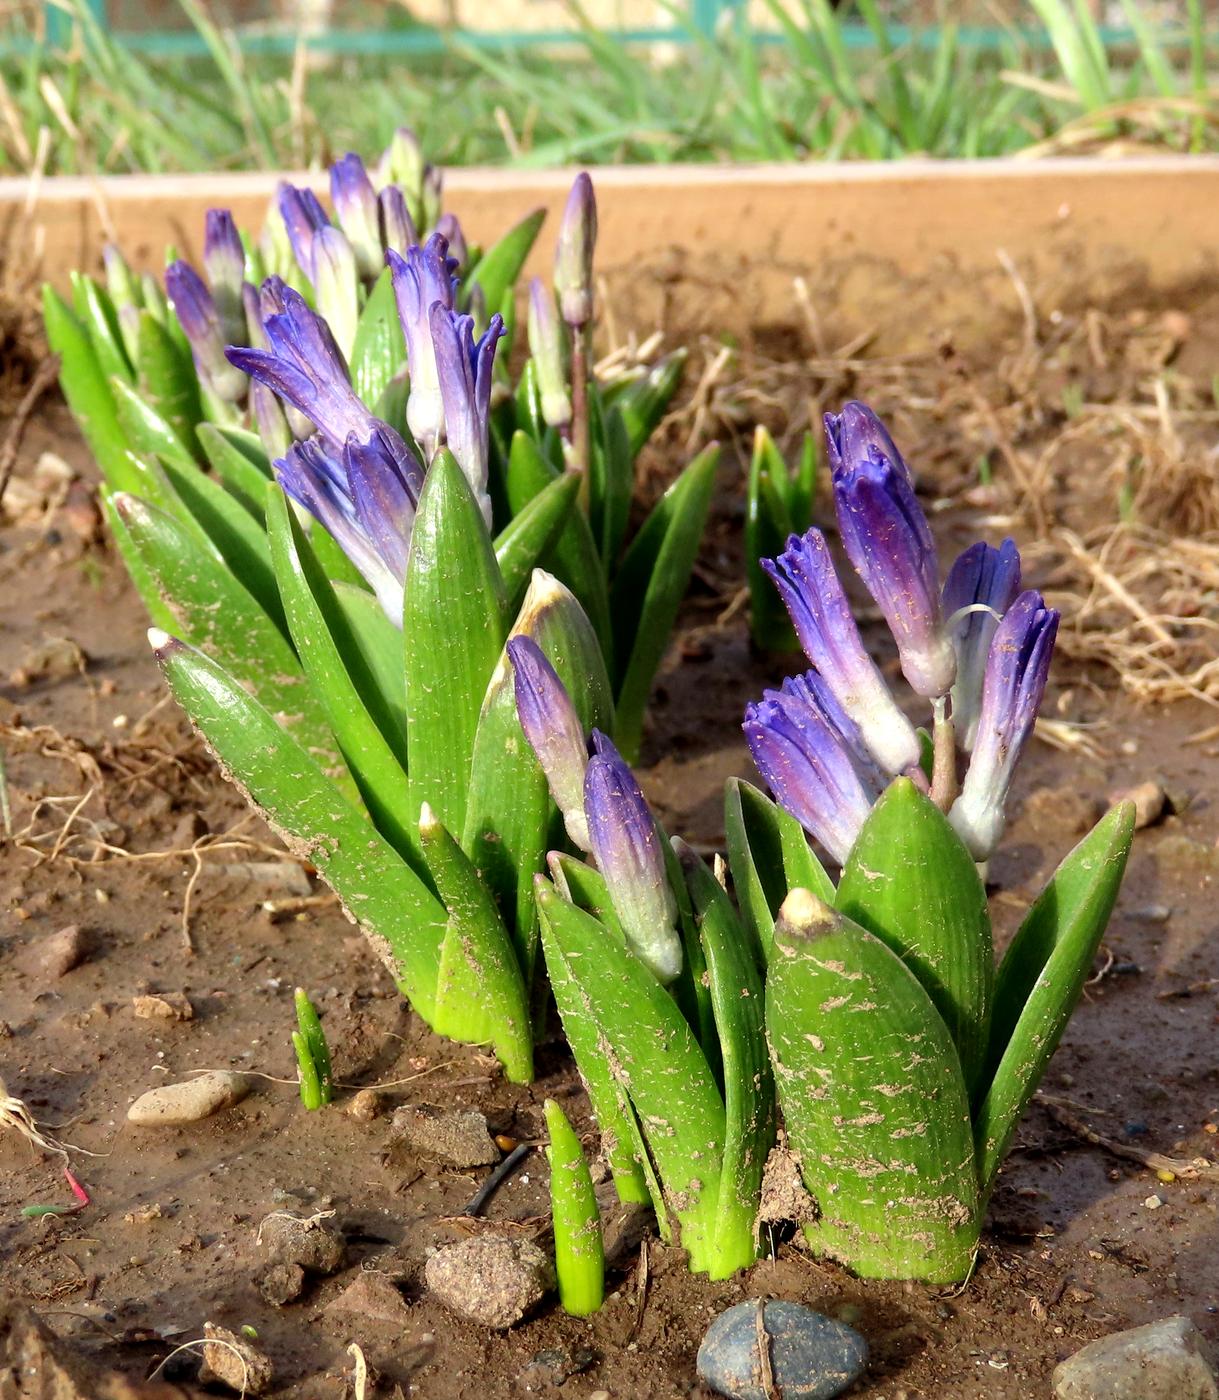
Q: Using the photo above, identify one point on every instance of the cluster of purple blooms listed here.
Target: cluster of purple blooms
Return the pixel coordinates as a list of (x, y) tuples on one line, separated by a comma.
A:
[(268, 348), (829, 741)]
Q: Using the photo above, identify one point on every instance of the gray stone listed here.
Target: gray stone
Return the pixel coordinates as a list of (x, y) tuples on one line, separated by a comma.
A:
[(234, 1362), (810, 1357), (58, 953), (1165, 1360), (313, 1243), (170, 1105), (458, 1136), (491, 1279)]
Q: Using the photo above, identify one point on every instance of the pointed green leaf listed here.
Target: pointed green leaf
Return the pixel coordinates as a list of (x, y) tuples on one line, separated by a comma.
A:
[(480, 993), (528, 537), (653, 1054), (611, 479), (644, 402), (749, 1093), (649, 588), (223, 619), (87, 390), (167, 379), (910, 881), (379, 350), (147, 432), (380, 644), (158, 613), (401, 918), (580, 884), (98, 317), (1042, 976), (768, 523), (873, 1100), (339, 676), (499, 267), (245, 477), (453, 627), (579, 1251)]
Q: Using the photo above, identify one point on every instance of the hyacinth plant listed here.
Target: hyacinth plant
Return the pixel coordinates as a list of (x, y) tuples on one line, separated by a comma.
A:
[(903, 1058), (778, 504), (660, 999), (335, 507)]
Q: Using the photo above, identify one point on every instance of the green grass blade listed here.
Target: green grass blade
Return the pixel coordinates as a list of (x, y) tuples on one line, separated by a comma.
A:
[(97, 315)]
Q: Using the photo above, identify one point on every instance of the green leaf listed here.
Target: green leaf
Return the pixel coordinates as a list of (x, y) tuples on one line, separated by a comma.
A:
[(510, 813), (873, 1100), (147, 432), (768, 855), (317, 1052), (87, 390), (573, 559), (380, 644), (644, 402), (379, 350), (910, 881), (222, 618), (649, 588), (339, 676), (580, 884), (98, 317), (653, 1054), (1042, 975), (579, 1251), (402, 919), (499, 267), (749, 1091), (768, 523), (453, 627), (242, 476), (168, 381), (480, 994), (527, 538), (158, 613), (611, 479)]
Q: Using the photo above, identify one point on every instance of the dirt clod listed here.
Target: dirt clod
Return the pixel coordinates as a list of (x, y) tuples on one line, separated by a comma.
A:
[(372, 1296), (315, 1244), (282, 1283), (1063, 807), (490, 1279), (170, 1105), (458, 1136), (367, 1105), (57, 955), (164, 1006), (233, 1361)]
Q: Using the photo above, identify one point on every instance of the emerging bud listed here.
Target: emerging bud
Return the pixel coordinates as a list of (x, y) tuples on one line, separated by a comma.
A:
[(431, 196), (546, 347), (397, 229), (982, 584), (127, 296), (336, 284), (463, 367), (423, 278), (1016, 672), (303, 216), (274, 245), (196, 313), (359, 216), (626, 844), (224, 263), (449, 228), (887, 538), (573, 266), (812, 758), (270, 421), (554, 731), (401, 164), (807, 582)]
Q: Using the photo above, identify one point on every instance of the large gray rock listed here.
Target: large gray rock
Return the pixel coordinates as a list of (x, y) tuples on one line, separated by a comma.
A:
[(458, 1136), (491, 1279), (809, 1357), (1165, 1360)]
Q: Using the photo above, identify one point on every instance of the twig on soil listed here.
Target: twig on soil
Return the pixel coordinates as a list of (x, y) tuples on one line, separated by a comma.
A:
[(641, 1291), (1197, 1168), (763, 1336), (43, 378), (506, 1168)]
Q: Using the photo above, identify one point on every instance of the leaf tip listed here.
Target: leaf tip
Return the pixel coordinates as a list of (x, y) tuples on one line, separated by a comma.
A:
[(161, 642), (803, 916)]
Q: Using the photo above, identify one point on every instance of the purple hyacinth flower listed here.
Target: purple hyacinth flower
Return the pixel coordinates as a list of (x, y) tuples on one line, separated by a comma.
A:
[(555, 734), (817, 770), (888, 540), (397, 226), (303, 216), (365, 501), (423, 278), (224, 263), (359, 215), (573, 265), (449, 228), (982, 584), (1016, 672), (195, 309), (812, 593), (464, 366), (626, 844)]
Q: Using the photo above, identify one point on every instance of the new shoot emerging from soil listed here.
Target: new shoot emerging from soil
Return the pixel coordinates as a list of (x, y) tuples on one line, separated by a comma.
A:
[(312, 1054), (903, 1058), (579, 1251)]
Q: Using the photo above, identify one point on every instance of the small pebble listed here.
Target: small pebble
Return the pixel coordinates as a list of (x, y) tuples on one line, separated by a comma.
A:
[(1150, 802), (811, 1357), (164, 1006), (458, 1136), (189, 1100), (491, 1279), (60, 952), (233, 1361), (1153, 1202), (367, 1105), (373, 1298)]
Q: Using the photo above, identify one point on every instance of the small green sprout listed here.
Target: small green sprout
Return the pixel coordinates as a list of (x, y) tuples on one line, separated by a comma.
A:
[(579, 1252), (312, 1055)]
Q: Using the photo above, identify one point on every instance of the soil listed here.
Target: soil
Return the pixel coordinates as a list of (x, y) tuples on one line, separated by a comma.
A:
[(115, 806)]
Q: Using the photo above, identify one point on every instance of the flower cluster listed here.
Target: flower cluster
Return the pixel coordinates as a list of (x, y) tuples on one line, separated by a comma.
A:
[(830, 741)]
